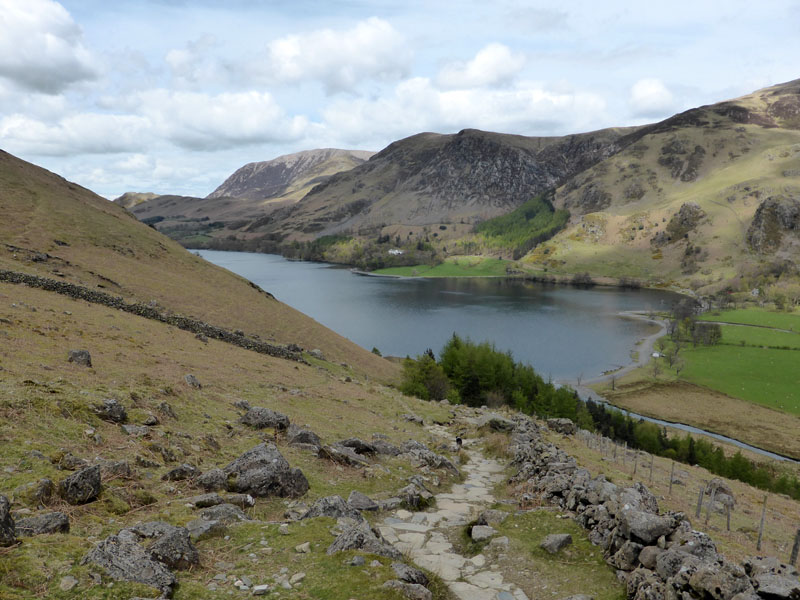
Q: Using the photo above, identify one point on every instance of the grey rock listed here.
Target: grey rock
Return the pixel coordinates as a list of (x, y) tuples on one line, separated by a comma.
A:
[(81, 487), (412, 418), (146, 463), (386, 448), (263, 471), (501, 424), (175, 549), (649, 555), (358, 445), (67, 583), (165, 408), (627, 557), (261, 590), (332, 506), (775, 587), (412, 591), (115, 468), (180, 473), (415, 497), (201, 529), (54, 522), (720, 582), (261, 418), (757, 565), (409, 574), (357, 561), (298, 435), (192, 381), (80, 357), (317, 353), (151, 420), (111, 410), (69, 462), (360, 501), (212, 480), (555, 542), (242, 405), (645, 527), (492, 517), (205, 500), (224, 513), (8, 534), (342, 455), (565, 426), (124, 559), (136, 430), (481, 533), (361, 536), (424, 456), (241, 500)]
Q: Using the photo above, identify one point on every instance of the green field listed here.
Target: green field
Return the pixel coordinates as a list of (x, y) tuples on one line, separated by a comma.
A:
[(756, 316), (759, 336), (453, 267), (764, 376)]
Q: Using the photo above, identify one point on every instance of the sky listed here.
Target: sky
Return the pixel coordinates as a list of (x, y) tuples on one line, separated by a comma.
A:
[(172, 96)]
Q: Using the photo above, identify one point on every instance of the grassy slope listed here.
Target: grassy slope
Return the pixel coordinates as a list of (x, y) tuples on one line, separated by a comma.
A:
[(743, 162), (45, 406), (756, 316), (461, 266), (104, 241)]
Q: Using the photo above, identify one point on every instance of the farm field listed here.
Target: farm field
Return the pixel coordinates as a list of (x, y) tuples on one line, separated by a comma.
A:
[(454, 267)]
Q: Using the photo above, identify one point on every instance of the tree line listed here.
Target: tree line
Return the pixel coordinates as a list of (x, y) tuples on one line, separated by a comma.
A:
[(478, 374)]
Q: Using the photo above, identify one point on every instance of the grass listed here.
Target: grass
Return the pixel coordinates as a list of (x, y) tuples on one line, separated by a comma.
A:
[(763, 337), (577, 569), (765, 376), (471, 266), (756, 316)]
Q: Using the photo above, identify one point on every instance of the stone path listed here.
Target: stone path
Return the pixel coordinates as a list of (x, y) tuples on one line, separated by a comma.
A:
[(423, 535)]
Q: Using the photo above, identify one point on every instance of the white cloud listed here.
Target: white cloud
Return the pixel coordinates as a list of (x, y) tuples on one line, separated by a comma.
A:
[(651, 98), (41, 47), (493, 65), (416, 105), (87, 133), (339, 59), (208, 122)]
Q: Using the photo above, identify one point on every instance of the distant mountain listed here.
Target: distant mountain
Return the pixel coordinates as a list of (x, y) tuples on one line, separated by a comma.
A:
[(130, 199), (274, 178)]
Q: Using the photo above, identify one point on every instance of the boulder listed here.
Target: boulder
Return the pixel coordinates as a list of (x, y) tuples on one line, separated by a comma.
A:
[(81, 487), (241, 500), (175, 549), (342, 455), (332, 506), (136, 430), (261, 418), (412, 591), (54, 522), (720, 582), (481, 533), (498, 423), (415, 497), (360, 501), (192, 381), (201, 529), (205, 500), (224, 513), (263, 471), (777, 587), (180, 473), (115, 468), (424, 456), (212, 480), (492, 517), (35, 493), (111, 410), (8, 534), (124, 559), (556, 542), (384, 447), (361, 536), (80, 357), (358, 445), (644, 527), (412, 418), (565, 426), (627, 557), (297, 435), (409, 574), (649, 555)]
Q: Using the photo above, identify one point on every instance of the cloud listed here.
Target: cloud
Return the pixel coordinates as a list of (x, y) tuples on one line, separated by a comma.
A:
[(495, 64), (197, 121), (88, 133), (41, 47), (417, 105), (651, 98), (339, 59)]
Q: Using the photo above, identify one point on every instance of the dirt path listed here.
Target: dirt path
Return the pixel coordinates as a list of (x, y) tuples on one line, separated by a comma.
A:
[(423, 536)]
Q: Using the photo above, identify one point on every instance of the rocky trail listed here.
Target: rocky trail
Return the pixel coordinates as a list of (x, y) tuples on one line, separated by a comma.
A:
[(424, 536)]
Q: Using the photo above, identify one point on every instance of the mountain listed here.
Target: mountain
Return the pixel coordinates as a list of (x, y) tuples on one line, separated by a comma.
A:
[(57, 229), (429, 179), (277, 177), (131, 199), (706, 198)]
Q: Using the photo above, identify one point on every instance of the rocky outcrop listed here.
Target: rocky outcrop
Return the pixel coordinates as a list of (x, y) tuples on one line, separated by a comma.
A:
[(111, 410), (261, 418), (422, 455), (8, 532), (54, 522), (775, 216), (362, 537), (263, 471), (334, 507), (81, 487)]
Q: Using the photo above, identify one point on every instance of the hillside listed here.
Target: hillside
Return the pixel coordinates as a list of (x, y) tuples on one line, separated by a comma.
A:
[(131, 199), (245, 199), (57, 229), (707, 198)]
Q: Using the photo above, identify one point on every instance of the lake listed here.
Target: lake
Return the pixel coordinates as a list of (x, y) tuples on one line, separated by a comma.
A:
[(562, 331)]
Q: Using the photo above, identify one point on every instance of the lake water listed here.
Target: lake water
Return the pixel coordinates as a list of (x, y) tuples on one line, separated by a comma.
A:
[(561, 330)]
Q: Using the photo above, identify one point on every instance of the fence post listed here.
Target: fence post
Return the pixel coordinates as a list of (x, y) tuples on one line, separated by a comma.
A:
[(671, 473), (795, 549), (728, 515), (635, 461), (711, 504), (652, 458), (700, 501), (761, 527)]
